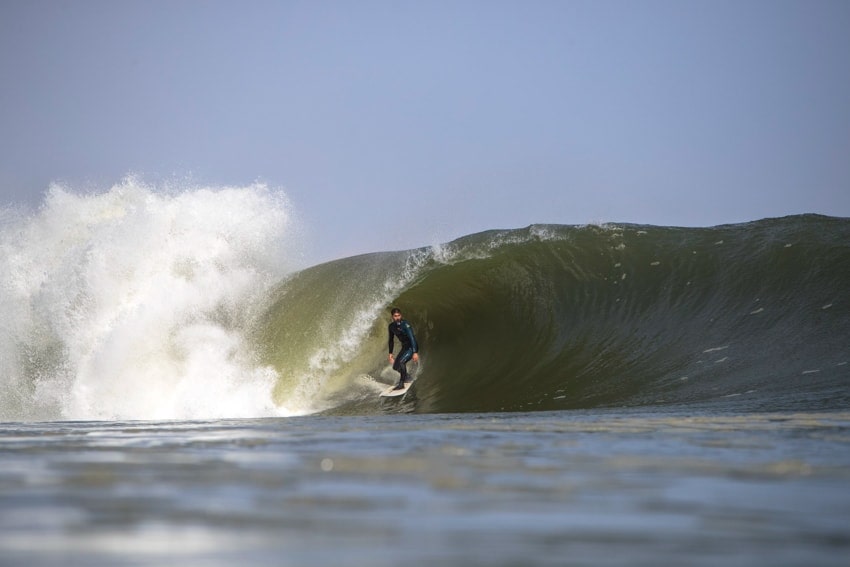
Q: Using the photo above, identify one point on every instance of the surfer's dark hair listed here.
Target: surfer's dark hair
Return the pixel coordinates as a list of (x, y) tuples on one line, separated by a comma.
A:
[(395, 310)]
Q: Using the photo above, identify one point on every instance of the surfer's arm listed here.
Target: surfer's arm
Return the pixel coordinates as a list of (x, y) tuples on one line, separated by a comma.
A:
[(409, 330), (391, 341)]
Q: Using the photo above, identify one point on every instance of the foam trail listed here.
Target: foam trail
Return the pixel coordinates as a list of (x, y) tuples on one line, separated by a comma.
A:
[(134, 303)]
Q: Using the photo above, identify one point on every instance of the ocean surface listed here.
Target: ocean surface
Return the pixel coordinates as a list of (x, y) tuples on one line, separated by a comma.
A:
[(175, 388)]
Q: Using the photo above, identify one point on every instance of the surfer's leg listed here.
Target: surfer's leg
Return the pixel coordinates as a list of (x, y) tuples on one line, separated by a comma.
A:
[(403, 359), (400, 366), (402, 370)]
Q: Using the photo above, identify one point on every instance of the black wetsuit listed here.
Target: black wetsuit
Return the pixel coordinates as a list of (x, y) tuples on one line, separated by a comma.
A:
[(404, 332)]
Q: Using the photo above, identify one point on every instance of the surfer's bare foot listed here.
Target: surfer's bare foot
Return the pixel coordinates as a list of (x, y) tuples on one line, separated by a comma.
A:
[(399, 386)]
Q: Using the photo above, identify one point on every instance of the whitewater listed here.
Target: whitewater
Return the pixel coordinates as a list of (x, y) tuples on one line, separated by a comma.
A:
[(134, 303)]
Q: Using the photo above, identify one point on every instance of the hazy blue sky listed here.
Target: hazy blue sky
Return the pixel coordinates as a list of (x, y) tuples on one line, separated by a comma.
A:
[(398, 124)]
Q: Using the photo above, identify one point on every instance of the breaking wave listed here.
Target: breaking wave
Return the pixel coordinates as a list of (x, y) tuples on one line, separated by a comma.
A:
[(752, 315), (134, 303), (181, 303)]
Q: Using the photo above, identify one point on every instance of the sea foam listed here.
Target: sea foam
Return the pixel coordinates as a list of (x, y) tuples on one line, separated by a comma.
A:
[(135, 303)]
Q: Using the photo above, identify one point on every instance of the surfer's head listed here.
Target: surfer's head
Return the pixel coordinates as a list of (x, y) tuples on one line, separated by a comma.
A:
[(396, 313)]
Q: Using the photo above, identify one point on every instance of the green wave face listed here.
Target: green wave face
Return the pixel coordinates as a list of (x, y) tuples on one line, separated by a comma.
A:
[(556, 317)]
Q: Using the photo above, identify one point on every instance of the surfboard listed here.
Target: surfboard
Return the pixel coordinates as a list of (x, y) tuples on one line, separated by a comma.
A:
[(390, 393)]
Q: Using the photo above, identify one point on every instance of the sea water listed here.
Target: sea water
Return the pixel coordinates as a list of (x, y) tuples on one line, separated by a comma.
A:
[(641, 487), (175, 390)]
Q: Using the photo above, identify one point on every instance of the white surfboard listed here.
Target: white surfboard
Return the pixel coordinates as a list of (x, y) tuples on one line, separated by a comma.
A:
[(390, 393)]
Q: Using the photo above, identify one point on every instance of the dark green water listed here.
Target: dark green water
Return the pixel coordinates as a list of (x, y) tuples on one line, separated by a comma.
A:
[(755, 315)]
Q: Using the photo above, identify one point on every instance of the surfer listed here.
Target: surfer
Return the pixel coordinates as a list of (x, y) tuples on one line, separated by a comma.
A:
[(409, 349)]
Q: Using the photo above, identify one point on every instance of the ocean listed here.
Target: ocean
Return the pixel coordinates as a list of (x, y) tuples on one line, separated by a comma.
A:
[(175, 388)]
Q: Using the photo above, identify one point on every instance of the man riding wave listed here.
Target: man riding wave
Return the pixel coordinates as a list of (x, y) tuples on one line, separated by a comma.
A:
[(401, 330)]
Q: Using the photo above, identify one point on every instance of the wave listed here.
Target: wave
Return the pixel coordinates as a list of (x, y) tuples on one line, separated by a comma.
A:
[(751, 316), (189, 302)]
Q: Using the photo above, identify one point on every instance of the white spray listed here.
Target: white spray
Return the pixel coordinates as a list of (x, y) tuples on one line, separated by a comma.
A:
[(133, 303)]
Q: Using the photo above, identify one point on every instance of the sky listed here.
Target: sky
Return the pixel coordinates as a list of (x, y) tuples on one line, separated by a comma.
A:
[(397, 124)]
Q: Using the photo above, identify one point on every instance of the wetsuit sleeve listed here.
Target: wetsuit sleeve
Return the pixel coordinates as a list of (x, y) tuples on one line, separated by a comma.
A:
[(409, 331), (391, 340)]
